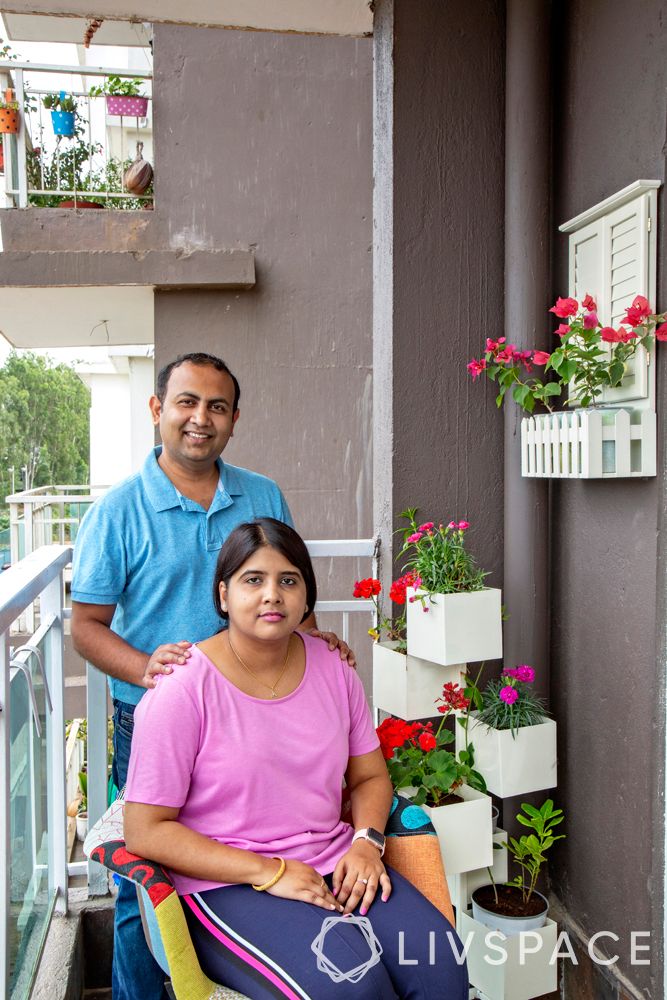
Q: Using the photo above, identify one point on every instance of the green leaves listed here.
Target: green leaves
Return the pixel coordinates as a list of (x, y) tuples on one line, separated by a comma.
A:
[(529, 851)]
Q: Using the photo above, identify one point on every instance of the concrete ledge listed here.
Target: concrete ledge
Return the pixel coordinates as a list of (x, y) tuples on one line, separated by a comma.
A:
[(164, 269)]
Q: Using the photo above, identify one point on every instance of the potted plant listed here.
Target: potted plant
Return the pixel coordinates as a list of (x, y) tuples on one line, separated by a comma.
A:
[(403, 685), (63, 112), (452, 618), (445, 784), (82, 814), (513, 740), (9, 113), (517, 906), (123, 96)]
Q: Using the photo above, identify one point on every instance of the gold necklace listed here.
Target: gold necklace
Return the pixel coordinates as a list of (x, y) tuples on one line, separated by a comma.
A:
[(271, 687)]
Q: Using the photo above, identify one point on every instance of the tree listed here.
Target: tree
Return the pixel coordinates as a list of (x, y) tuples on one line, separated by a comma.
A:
[(44, 423)]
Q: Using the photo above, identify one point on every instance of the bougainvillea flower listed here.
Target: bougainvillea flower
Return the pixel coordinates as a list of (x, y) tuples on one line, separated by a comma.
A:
[(591, 321), (637, 312), (508, 694), (562, 330), (626, 335), (661, 332), (540, 357), (589, 303), (609, 335), (476, 367), (565, 308), (507, 354), (525, 673)]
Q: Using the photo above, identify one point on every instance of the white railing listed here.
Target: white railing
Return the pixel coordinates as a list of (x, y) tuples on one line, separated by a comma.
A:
[(589, 444), (44, 169)]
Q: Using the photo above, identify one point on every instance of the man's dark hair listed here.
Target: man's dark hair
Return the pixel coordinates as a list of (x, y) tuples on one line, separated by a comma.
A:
[(247, 538), (196, 358)]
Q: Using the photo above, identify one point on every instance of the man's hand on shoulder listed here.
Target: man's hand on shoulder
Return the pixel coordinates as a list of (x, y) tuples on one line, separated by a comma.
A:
[(335, 643), (160, 661)]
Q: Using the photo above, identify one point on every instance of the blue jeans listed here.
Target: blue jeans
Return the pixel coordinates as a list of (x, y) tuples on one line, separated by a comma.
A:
[(135, 973)]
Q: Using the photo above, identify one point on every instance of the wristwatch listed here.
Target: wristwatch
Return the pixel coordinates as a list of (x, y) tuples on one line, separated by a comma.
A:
[(374, 837)]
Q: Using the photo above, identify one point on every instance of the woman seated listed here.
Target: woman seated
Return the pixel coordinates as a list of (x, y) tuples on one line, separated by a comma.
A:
[(235, 784)]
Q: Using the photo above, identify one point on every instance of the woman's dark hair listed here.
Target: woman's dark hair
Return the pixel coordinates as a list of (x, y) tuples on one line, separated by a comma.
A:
[(253, 535)]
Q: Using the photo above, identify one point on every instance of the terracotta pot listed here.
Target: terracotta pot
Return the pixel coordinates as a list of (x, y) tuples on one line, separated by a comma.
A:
[(70, 203), (9, 120)]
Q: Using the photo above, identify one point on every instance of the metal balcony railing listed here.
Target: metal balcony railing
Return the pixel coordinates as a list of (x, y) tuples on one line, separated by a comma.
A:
[(44, 169)]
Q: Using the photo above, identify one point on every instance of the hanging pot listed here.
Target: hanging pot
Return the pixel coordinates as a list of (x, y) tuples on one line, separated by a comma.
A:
[(139, 175), (9, 117), (63, 123), (135, 107)]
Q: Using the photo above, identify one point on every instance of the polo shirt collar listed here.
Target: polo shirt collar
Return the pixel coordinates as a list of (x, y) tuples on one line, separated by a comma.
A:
[(163, 495)]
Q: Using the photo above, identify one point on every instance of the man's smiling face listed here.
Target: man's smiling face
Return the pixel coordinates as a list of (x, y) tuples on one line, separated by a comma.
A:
[(196, 418)]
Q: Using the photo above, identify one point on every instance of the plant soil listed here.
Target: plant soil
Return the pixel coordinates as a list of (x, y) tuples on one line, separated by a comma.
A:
[(510, 903), (447, 800)]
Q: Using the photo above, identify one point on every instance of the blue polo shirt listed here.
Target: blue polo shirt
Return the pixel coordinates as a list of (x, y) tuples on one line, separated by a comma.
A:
[(152, 552)]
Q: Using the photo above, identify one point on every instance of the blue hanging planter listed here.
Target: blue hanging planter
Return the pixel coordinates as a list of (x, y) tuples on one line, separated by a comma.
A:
[(63, 122)]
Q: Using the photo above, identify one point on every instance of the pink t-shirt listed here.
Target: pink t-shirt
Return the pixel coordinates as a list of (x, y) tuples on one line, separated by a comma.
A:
[(261, 775)]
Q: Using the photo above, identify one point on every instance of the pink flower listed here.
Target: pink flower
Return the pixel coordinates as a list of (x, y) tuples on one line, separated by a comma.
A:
[(509, 694), (510, 672), (591, 321), (415, 538), (626, 335), (609, 335), (525, 673), (540, 357), (416, 582), (427, 526), (661, 332), (565, 308), (637, 312), (589, 303), (507, 354), (453, 525), (491, 345), (463, 525), (476, 367), (562, 330)]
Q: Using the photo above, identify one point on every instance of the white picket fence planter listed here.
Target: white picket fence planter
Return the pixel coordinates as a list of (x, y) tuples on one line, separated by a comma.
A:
[(513, 766), (407, 686), (524, 973), (465, 831), (456, 628), (589, 444)]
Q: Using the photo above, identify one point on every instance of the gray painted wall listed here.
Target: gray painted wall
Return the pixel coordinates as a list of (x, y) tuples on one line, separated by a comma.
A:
[(607, 671), (448, 263)]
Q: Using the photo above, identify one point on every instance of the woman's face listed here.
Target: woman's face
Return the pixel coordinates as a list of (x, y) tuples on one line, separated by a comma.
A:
[(266, 597)]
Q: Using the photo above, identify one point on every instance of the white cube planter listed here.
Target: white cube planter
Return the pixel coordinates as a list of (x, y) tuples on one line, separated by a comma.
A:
[(508, 968), (514, 766), (465, 831), (462, 886), (407, 686), (456, 628)]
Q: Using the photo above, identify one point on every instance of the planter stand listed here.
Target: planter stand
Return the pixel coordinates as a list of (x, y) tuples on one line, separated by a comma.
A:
[(407, 686), (462, 886), (511, 979), (465, 831), (457, 628), (513, 766), (589, 444)]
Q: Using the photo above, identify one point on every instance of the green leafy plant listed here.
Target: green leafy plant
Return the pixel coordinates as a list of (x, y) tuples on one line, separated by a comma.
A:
[(529, 851), (510, 701), (118, 86), (83, 785), (591, 357), (54, 102), (437, 557), (418, 757), (9, 105)]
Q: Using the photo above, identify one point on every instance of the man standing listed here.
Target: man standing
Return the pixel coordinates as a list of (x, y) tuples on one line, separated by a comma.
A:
[(143, 566)]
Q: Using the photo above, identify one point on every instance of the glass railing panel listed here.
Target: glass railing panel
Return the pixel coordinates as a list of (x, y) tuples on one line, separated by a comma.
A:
[(31, 891)]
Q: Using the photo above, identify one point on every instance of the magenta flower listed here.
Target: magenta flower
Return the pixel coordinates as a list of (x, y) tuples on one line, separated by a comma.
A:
[(416, 582), (452, 525), (415, 538), (510, 672), (463, 525), (591, 321), (509, 694), (426, 526), (476, 367), (525, 673)]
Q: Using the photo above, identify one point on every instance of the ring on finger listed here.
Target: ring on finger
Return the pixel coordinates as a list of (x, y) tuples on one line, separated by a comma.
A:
[(364, 880)]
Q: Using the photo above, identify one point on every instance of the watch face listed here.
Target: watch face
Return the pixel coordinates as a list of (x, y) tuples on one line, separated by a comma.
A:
[(375, 837)]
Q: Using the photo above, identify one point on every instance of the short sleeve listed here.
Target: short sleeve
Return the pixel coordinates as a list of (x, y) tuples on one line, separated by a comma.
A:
[(285, 513), (363, 738), (161, 766), (99, 567)]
